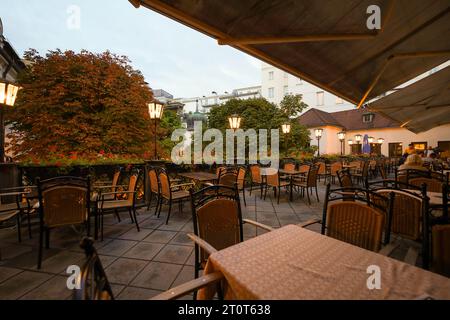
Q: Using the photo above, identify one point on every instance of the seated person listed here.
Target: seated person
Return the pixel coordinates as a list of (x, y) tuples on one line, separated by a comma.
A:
[(414, 161)]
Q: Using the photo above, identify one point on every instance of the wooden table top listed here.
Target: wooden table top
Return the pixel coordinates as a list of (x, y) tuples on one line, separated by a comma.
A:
[(199, 176)]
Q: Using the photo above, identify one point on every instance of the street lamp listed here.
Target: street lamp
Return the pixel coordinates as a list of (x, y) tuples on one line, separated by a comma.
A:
[(286, 129), (234, 121), (341, 137), (370, 139), (358, 138), (318, 133), (155, 110), (8, 95), (380, 140)]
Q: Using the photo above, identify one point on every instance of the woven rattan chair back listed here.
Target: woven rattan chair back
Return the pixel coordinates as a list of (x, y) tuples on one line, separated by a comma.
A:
[(228, 177), (272, 177), (241, 177), (406, 213), (322, 168), (304, 168), (165, 185), (289, 166), (255, 172), (335, 167), (440, 249), (153, 178), (355, 223), (432, 184), (311, 180), (345, 178)]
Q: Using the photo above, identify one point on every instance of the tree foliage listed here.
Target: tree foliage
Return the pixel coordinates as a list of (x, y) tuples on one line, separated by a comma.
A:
[(292, 105), (80, 103), (257, 114)]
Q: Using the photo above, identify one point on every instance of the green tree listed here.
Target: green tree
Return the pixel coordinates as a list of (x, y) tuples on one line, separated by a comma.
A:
[(81, 103), (169, 122), (259, 114), (292, 105)]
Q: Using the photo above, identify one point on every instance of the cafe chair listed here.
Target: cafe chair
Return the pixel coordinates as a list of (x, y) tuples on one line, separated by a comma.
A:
[(436, 239), (308, 184), (274, 181), (360, 222), (109, 203), (242, 172), (256, 178), (433, 185), (172, 193), (334, 168), (92, 280), (322, 171), (155, 188), (63, 201), (362, 175), (218, 222)]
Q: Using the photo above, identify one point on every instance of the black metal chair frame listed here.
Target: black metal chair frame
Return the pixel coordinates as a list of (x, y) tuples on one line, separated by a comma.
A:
[(93, 282)]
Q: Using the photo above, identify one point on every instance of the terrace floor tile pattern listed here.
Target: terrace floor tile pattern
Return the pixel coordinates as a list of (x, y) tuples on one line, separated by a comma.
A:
[(139, 265)]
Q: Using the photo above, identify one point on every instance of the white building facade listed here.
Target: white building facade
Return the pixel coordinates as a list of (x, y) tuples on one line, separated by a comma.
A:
[(276, 83)]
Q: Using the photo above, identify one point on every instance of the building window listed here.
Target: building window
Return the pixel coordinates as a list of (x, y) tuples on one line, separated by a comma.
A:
[(271, 92), (356, 148), (339, 100), (368, 117), (270, 75), (395, 149), (319, 96), (285, 90)]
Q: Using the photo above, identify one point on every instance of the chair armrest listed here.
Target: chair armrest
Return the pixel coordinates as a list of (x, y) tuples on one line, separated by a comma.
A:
[(387, 250), (202, 243), (208, 184), (309, 222), (257, 224), (188, 287), (114, 193), (14, 193), (182, 185)]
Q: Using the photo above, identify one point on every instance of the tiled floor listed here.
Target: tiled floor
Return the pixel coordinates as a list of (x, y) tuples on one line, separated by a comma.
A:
[(139, 265)]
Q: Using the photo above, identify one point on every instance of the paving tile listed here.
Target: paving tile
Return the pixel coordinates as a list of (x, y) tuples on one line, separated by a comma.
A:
[(151, 224), (116, 289), (17, 286), (59, 262), (174, 254), (123, 270), (116, 230), (144, 251), (133, 234), (53, 289), (13, 250), (182, 239), (159, 236), (117, 247), (134, 293), (191, 260), (6, 273), (157, 276), (173, 225), (186, 274)]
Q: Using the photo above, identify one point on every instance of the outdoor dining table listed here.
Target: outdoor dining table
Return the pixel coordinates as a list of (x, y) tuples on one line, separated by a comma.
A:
[(291, 174), (199, 177), (295, 263)]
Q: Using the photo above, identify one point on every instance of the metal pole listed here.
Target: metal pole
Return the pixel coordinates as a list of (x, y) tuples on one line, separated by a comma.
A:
[(285, 144), (156, 156), (318, 146), (2, 136)]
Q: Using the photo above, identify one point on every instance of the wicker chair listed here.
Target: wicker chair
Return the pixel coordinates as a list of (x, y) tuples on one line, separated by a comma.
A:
[(345, 178), (63, 201), (433, 185), (308, 184), (241, 182), (155, 189), (218, 223), (362, 176), (172, 193), (322, 171), (273, 179), (256, 178), (111, 186), (360, 222), (109, 203), (93, 282), (334, 168), (436, 238)]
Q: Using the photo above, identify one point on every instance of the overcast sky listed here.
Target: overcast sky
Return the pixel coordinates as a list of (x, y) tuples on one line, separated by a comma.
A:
[(171, 56)]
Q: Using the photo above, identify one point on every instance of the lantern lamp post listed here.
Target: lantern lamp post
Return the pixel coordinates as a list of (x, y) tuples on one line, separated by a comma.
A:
[(341, 137), (8, 95), (286, 129), (155, 110), (318, 133), (234, 121)]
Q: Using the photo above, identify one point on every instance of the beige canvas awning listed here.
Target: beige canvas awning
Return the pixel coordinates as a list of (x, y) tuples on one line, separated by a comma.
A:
[(421, 105), (327, 42)]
